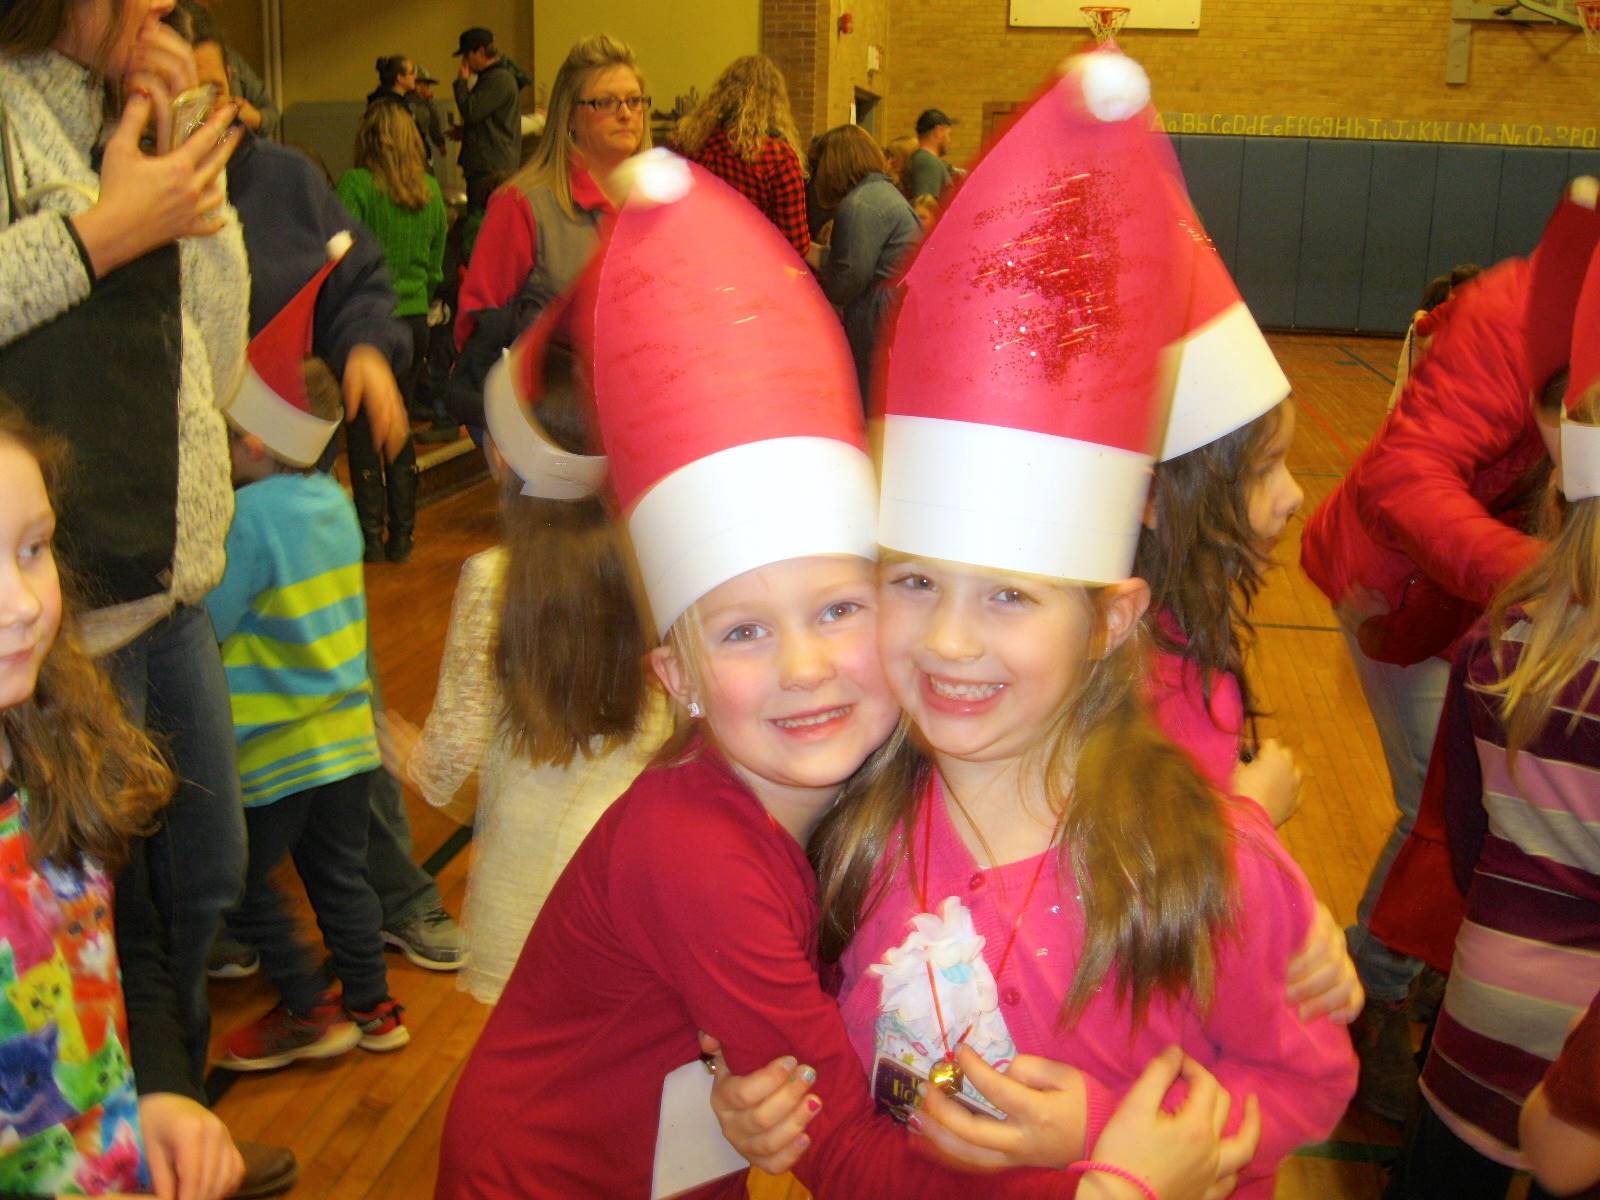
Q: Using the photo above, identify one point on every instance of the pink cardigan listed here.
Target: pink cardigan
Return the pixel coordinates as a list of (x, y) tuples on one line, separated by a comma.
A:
[(1302, 1073)]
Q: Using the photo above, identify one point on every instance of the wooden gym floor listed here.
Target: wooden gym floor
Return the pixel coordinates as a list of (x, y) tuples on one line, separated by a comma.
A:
[(367, 1125)]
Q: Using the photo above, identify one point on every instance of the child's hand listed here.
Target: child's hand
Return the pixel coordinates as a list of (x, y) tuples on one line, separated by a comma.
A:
[(1046, 1109), (764, 1114), (1322, 979), (1181, 1155), (397, 742), (1272, 779), (190, 1151)]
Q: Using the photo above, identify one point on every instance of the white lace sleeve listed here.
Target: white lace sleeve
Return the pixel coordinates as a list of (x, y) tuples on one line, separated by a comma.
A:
[(466, 705)]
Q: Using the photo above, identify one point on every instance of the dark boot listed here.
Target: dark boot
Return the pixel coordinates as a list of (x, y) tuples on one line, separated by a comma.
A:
[(402, 503), (1382, 1038), (366, 485)]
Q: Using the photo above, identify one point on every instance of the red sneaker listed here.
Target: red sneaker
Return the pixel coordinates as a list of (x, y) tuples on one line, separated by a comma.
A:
[(381, 1028), (282, 1037)]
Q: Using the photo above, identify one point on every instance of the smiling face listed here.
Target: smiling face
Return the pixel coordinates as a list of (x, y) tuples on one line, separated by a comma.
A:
[(30, 591), (785, 668), (605, 139), (1271, 494)]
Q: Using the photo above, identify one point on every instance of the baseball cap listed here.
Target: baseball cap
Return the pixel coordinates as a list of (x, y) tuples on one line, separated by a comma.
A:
[(476, 38), (932, 118), (425, 76)]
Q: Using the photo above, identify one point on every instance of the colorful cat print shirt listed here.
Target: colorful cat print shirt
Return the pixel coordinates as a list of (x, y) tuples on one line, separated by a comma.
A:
[(69, 1119)]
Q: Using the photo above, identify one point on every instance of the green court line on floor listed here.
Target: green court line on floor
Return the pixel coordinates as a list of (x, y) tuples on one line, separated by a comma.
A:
[(1357, 360), (1363, 1152), (1301, 628), (447, 851)]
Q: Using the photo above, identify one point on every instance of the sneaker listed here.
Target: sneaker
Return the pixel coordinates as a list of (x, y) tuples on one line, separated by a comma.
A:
[(1382, 1037), (431, 940), (381, 1028), (232, 960), (282, 1037)]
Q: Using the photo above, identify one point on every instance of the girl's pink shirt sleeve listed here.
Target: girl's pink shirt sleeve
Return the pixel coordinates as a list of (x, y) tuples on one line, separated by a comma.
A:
[(1209, 733)]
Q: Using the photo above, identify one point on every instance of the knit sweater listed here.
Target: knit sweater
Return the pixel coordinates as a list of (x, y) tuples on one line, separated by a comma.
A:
[(412, 239), (54, 109)]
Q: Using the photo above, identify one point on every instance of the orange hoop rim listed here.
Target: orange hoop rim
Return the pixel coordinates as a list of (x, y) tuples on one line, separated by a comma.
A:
[(1589, 22), (1105, 21)]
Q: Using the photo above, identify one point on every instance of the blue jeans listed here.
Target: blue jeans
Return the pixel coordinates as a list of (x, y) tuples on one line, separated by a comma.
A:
[(172, 683), (1405, 703), (324, 829), (404, 889)]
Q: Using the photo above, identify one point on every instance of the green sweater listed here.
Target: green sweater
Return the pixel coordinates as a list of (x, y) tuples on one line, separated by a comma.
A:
[(412, 240)]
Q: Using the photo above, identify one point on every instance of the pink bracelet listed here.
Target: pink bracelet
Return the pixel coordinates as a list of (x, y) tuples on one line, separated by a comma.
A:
[(1087, 1165)]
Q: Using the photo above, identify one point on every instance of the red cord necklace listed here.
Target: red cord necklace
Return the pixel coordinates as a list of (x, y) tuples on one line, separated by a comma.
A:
[(944, 1074)]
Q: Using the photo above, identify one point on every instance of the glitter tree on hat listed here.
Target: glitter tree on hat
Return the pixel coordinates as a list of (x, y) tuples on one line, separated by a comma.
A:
[(724, 392), (1024, 387), (272, 402)]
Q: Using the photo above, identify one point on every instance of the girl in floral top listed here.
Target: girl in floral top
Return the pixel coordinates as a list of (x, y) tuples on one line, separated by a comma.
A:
[(77, 780)]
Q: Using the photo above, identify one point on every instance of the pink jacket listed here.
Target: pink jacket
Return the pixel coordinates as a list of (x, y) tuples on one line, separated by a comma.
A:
[(1302, 1073)]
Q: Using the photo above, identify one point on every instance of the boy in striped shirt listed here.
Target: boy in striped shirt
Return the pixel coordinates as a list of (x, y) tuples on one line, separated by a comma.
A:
[(291, 615)]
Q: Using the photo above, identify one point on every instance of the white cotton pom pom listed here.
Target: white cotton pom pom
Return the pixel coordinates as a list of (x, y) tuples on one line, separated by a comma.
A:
[(1114, 86), (339, 245), (1585, 190), (655, 177)]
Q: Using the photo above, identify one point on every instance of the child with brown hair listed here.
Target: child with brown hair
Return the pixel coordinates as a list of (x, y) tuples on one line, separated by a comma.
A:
[(542, 687), (77, 782), (291, 615)]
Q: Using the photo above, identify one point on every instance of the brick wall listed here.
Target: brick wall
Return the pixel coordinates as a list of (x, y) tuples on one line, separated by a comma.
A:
[(793, 36), (1357, 58)]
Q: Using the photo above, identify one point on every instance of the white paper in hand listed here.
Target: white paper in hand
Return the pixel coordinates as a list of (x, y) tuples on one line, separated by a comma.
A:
[(690, 1148)]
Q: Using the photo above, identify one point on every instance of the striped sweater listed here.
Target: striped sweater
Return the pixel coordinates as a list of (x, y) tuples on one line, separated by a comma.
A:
[(291, 613), (1527, 957)]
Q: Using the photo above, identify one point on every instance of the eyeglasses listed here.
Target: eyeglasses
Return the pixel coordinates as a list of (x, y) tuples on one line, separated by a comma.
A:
[(606, 105)]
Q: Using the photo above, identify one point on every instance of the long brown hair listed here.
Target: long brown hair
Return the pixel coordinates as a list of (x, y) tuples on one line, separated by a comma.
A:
[(34, 26), (550, 165), (1141, 832), (1560, 594), (1202, 560), (389, 145), (93, 779), (570, 656), (751, 102), (845, 156)]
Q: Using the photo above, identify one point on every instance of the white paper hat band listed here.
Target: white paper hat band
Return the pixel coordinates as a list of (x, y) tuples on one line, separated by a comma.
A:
[(1011, 499), (291, 433), (745, 507), (1580, 460), (546, 470), (1227, 377)]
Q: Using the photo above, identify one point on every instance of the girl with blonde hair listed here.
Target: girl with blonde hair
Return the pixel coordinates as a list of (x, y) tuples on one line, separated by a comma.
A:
[(744, 133), (548, 214), (390, 191)]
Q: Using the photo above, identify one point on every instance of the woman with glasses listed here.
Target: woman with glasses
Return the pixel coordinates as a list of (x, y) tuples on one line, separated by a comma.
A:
[(548, 214)]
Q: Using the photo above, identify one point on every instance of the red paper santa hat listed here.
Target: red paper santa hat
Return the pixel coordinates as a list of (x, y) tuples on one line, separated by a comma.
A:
[(1580, 444), (1558, 266), (271, 401), (510, 391), (1226, 373), (724, 391), (1024, 390)]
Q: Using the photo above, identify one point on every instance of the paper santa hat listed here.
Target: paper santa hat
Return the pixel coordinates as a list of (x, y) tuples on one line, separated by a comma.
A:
[(724, 392), (510, 393), (1024, 388), (271, 401), (1226, 373), (1580, 444), (1558, 266)]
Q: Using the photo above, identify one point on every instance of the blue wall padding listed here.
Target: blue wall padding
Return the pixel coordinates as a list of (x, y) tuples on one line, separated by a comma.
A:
[(1271, 201), (1333, 234), (1394, 269), (1344, 234)]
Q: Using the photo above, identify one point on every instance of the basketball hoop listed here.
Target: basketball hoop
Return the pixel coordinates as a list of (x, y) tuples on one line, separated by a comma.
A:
[(1589, 21), (1105, 21)]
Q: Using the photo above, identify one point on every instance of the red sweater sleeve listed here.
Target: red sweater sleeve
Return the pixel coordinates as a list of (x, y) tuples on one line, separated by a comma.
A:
[(1464, 409), (1302, 1073), (717, 917), (786, 194), (506, 250)]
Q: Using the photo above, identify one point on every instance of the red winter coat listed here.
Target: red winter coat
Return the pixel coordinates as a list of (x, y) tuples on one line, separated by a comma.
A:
[(1417, 502)]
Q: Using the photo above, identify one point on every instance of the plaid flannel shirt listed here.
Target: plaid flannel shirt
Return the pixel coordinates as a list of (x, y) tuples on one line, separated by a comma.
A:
[(773, 183)]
